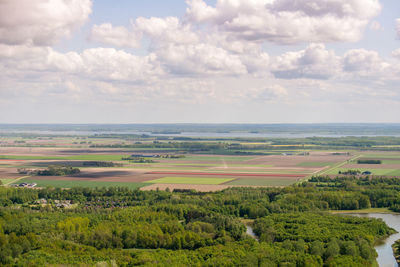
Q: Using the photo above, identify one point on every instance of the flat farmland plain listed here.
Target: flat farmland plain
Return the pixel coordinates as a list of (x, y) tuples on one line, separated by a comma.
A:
[(191, 171), (389, 166)]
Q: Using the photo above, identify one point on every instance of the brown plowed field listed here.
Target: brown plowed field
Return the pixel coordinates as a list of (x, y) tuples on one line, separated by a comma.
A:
[(291, 160), (9, 173)]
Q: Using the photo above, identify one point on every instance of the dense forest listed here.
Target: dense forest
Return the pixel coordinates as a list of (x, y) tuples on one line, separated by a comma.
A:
[(131, 227)]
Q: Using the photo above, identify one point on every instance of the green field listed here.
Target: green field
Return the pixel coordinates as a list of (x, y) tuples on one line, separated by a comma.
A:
[(80, 183), (314, 164), (383, 172), (394, 161), (387, 156), (262, 182), (190, 180), (6, 181), (96, 157)]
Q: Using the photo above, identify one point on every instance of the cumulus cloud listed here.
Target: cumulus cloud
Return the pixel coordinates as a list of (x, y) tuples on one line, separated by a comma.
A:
[(41, 22), (363, 61), (160, 31), (116, 36), (183, 51), (166, 30), (314, 62), (105, 64), (109, 63), (287, 21), (200, 59)]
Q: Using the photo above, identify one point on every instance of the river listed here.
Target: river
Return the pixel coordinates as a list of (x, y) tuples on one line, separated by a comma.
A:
[(250, 232), (384, 248)]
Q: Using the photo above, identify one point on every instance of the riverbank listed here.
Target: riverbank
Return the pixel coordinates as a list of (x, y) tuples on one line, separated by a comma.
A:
[(366, 211), (383, 246), (396, 251)]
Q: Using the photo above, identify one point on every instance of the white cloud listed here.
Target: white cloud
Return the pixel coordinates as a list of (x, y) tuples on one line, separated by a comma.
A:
[(315, 62), (199, 59), (183, 51), (95, 63), (112, 64), (199, 11), (364, 62), (41, 22), (160, 31), (166, 30), (116, 36), (287, 21)]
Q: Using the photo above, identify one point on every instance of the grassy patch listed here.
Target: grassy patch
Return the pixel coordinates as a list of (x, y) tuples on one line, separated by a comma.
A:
[(70, 184), (190, 180), (262, 182), (314, 164), (391, 161), (6, 181), (371, 210), (388, 156), (96, 157)]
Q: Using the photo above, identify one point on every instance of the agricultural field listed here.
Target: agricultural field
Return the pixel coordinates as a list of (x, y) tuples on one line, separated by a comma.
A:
[(155, 165), (389, 164), (211, 172)]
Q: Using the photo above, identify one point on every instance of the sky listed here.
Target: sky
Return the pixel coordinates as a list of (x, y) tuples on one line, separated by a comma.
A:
[(199, 61)]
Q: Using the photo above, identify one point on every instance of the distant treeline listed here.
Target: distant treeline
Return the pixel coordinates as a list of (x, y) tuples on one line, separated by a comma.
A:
[(58, 171), (239, 144), (101, 164), (369, 161)]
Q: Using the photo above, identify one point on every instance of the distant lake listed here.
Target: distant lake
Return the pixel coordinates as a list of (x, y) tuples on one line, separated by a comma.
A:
[(196, 134)]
